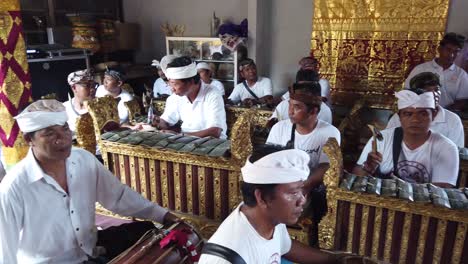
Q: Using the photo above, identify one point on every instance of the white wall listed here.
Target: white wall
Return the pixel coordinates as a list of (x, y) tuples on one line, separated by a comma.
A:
[(291, 28), (194, 14), (279, 30), (457, 17)]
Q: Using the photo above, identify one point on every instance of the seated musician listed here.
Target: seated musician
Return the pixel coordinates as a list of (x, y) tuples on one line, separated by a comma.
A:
[(310, 63), (48, 199), (113, 81), (84, 88), (454, 80), (161, 87), (303, 130), (281, 110), (254, 90), (205, 72), (421, 155), (272, 197), (199, 106), (445, 122)]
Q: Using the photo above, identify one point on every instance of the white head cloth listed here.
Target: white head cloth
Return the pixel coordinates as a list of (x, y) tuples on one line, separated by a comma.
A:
[(42, 114), (177, 73), (155, 63), (203, 65), (407, 98), (284, 166), (165, 61)]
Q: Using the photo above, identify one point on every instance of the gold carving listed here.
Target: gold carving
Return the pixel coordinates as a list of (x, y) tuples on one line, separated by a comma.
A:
[(152, 177), (142, 174), (360, 44), (394, 204), (241, 145), (389, 235), (352, 215), (133, 183), (164, 185), (9, 5), (103, 110), (85, 133), (405, 238), (364, 222), (462, 229), (217, 193), (123, 174), (189, 187), (201, 190), (177, 187), (333, 174), (331, 180), (439, 241), (422, 239), (376, 237), (133, 108)]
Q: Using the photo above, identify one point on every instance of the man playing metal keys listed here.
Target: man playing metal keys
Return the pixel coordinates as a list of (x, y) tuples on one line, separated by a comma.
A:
[(198, 105), (255, 232), (47, 201), (412, 152)]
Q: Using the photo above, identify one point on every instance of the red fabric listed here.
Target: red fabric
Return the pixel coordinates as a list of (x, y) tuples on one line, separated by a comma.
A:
[(180, 238)]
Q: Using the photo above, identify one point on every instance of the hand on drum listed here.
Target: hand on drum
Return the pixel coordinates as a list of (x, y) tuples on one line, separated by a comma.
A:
[(170, 218)]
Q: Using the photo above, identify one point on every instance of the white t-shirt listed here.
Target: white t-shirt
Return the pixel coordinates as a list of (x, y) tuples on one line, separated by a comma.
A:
[(281, 112), (238, 234), (207, 110), (445, 122), (124, 97), (454, 81), (161, 87), (261, 88), (218, 86), (436, 160), (311, 143), (324, 91), (73, 114)]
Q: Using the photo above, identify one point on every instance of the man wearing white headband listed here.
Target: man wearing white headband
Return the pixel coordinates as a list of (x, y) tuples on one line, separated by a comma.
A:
[(254, 89), (205, 72), (198, 105), (255, 231), (48, 199), (161, 87), (445, 122), (412, 152)]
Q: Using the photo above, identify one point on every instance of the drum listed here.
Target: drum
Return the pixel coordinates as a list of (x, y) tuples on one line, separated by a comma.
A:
[(148, 248)]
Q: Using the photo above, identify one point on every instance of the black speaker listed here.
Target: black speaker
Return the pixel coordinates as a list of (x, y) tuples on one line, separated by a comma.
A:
[(50, 76)]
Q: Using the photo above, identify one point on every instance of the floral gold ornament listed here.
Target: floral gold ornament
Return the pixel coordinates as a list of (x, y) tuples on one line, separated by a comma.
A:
[(369, 47)]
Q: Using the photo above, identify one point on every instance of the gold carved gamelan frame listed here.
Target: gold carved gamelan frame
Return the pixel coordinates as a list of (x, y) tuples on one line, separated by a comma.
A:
[(389, 229), (369, 47)]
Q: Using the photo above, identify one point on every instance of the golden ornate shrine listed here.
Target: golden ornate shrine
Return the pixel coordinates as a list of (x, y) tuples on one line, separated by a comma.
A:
[(369, 47)]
